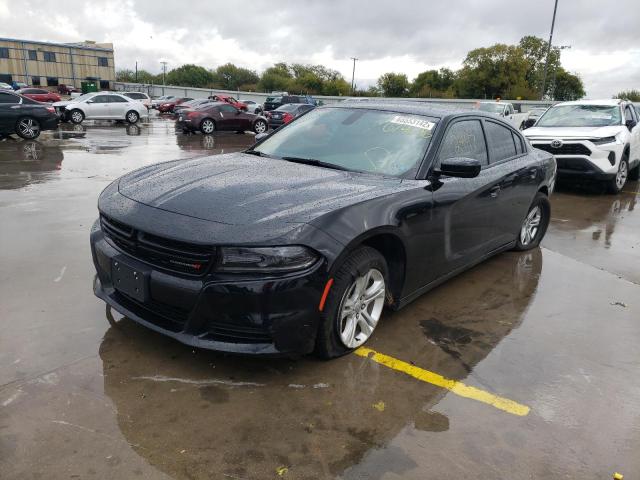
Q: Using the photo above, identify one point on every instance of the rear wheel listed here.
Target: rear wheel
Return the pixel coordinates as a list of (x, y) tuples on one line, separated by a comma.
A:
[(28, 128), (535, 223), (617, 183), (354, 304), (260, 126), (76, 116), (132, 117), (207, 126)]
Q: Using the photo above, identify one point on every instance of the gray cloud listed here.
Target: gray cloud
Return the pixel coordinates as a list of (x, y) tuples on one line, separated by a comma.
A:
[(258, 33)]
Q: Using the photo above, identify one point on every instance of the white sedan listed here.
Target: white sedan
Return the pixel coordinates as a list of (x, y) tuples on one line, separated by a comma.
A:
[(101, 106)]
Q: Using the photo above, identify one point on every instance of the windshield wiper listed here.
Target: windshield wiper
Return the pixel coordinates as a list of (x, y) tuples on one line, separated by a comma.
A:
[(314, 162)]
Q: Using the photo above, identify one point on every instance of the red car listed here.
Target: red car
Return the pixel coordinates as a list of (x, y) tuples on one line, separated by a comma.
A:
[(230, 100), (167, 107), (39, 94), (220, 116)]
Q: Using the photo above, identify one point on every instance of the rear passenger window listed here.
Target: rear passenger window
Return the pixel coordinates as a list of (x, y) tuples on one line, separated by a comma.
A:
[(518, 142), (501, 143), (464, 139), (6, 98)]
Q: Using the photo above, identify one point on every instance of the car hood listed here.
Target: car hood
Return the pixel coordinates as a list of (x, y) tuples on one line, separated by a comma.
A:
[(572, 132), (243, 189)]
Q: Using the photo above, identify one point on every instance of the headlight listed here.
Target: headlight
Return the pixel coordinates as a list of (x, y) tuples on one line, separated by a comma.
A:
[(266, 259), (602, 141)]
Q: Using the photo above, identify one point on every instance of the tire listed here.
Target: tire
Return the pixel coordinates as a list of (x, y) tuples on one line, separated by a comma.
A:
[(76, 116), (617, 183), (28, 128), (535, 223), (260, 126), (634, 174), (132, 117), (207, 126), (363, 268)]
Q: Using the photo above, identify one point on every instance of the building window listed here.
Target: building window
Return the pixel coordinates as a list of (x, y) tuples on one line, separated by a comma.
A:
[(33, 55), (4, 52), (52, 81), (104, 85), (103, 62), (35, 81), (49, 56)]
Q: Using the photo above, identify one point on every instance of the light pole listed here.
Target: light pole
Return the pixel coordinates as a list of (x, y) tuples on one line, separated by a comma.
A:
[(555, 71), (546, 63), (353, 74), (164, 71)]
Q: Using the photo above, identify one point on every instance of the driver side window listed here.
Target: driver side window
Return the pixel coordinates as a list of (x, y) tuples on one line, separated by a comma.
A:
[(464, 139)]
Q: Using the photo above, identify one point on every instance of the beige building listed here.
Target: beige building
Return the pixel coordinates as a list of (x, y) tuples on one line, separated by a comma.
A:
[(48, 64)]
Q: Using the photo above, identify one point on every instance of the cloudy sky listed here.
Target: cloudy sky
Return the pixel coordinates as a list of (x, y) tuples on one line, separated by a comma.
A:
[(398, 35)]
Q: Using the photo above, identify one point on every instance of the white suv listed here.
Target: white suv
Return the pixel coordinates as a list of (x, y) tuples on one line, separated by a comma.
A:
[(101, 106), (598, 139)]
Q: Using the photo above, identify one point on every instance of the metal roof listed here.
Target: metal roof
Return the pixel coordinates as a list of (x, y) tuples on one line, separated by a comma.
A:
[(54, 44)]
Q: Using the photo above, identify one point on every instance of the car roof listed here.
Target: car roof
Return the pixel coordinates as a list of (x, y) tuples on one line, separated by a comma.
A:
[(495, 102), (611, 102), (409, 107)]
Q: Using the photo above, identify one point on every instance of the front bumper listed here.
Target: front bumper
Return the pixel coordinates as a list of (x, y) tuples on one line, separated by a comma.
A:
[(237, 314)]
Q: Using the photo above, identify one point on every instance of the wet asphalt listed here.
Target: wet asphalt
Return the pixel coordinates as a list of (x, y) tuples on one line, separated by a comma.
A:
[(555, 329)]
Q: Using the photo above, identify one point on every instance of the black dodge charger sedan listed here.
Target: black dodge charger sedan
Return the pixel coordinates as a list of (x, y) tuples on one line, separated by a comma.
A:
[(25, 117), (297, 244)]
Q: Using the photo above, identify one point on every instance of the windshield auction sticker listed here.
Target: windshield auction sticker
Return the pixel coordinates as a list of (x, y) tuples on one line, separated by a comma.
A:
[(413, 122)]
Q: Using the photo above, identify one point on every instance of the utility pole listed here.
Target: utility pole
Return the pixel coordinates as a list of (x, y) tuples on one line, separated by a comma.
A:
[(546, 63), (164, 71), (353, 75), (136, 71)]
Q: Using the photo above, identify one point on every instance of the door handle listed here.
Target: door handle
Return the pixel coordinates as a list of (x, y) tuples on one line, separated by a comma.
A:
[(493, 193)]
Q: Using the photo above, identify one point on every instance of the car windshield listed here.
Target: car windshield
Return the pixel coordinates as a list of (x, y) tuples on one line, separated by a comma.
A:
[(491, 107), (375, 141), (274, 99), (288, 107), (84, 97), (581, 116)]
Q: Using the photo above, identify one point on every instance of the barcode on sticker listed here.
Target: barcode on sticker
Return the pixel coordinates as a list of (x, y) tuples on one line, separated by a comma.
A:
[(413, 122)]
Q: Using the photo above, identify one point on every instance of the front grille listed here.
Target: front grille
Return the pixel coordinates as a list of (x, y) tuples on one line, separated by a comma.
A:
[(228, 333), (565, 149), (161, 252), (163, 316)]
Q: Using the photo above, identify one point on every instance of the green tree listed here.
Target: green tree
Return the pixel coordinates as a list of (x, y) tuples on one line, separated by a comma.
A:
[(393, 84), (125, 75), (433, 83), (567, 86), (189, 76), (275, 78), (231, 77), (535, 53), (631, 95)]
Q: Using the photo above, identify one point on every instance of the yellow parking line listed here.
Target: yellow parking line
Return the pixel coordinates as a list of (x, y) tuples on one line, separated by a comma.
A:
[(454, 386), (631, 193)]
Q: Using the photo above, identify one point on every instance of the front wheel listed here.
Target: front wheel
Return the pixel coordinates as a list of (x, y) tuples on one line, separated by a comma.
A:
[(132, 117), (76, 116), (617, 183), (260, 126), (28, 128), (535, 223), (207, 126), (354, 304)]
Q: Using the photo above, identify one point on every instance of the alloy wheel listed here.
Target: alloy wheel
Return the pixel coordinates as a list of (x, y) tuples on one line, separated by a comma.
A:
[(132, 117), (208, 126), (260, 127), (76, 116), (530, 226), (621, 176), (361, 307), (29, 128)]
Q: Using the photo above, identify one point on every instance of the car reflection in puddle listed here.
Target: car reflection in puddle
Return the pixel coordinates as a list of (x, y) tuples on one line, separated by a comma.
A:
[(192, 412), (26, 162)]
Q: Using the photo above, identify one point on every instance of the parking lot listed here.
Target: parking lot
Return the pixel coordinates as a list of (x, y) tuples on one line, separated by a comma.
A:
[(519, 368)]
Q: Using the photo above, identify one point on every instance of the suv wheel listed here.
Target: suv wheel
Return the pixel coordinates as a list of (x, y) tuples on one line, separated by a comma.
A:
[(617, 183), (354, 304)]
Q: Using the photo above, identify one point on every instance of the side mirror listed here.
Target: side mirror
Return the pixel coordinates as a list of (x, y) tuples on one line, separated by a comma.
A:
[(459, 167), (630, 124), (529, 122), (90, 101)]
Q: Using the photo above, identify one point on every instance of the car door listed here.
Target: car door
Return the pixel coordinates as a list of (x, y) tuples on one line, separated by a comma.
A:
[(118, 107), (228, 118), (97, 107), (634, 144), (519, 178), (9, 112), (466, 210)]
